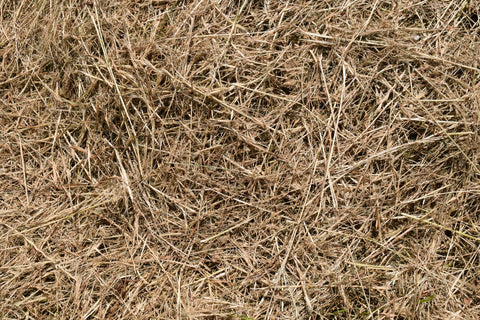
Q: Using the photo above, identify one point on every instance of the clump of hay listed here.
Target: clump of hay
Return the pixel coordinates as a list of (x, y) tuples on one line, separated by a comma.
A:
[(239, 159)]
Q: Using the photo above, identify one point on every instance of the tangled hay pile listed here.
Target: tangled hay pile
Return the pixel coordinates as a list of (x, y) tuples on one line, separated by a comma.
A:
[(211, 159)]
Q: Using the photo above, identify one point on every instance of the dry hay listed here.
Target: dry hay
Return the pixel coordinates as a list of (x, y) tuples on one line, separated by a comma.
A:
[(213, 159)]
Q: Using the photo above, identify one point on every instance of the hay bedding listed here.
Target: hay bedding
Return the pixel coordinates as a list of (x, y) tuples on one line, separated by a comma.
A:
[(239, 159)]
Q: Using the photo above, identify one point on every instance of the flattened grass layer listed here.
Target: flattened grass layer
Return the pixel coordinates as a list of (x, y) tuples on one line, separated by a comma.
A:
[(239, 159)]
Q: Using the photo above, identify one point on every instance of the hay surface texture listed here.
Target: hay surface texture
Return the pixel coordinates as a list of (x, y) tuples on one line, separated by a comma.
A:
[(239, 159)]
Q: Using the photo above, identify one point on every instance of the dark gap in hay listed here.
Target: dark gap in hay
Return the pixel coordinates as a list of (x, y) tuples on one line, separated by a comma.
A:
[(458, 73), (154, 55), (139, 104), (470, 20), (416, 131), (50, 278), (448, 233)]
